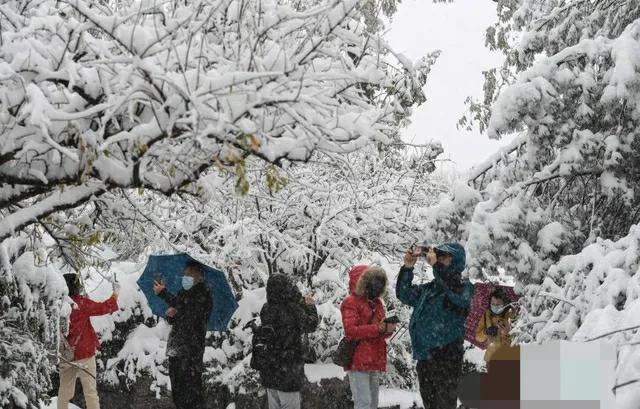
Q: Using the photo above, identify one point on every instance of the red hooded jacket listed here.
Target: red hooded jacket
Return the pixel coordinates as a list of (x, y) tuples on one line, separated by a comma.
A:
[(371, 352), (81, 333)]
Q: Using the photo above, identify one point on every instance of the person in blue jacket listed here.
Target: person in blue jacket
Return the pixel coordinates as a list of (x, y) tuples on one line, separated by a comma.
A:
[(440, 308)]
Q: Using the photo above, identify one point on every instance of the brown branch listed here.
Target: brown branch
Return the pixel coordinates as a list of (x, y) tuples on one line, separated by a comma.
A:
[(594, 171), (625, 384), (613, 332)]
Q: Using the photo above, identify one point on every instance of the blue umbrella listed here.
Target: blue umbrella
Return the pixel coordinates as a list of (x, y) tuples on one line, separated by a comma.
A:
[(170, 268)]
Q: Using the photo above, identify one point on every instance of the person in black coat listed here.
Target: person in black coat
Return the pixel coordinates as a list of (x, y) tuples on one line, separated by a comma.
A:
[(290, 315), (188, 314)]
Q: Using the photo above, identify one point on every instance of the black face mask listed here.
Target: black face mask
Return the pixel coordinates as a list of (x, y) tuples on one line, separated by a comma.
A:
[(374, 289)]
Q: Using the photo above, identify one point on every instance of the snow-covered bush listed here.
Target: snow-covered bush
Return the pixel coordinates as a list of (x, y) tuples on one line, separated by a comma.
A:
[(592, 295), (31, 296)]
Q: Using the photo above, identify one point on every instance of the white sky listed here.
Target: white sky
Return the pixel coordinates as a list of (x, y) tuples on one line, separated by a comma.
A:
[(457, 29)]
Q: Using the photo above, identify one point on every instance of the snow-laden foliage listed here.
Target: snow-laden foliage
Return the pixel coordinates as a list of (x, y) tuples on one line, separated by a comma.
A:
[(572, 175), (561, 204), (367, 207), (138, 94), (592, 295), (111, 112), (30, 302), (336, 212)]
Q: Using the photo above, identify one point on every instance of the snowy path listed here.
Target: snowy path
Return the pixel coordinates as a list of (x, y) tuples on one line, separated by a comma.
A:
[(388, 397), (54, 402), (393, 397)]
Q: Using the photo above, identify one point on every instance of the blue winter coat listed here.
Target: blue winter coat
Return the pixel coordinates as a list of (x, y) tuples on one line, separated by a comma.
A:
[(439, 313)]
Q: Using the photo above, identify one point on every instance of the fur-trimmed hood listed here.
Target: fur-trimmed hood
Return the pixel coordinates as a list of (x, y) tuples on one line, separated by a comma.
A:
[(361, 274)]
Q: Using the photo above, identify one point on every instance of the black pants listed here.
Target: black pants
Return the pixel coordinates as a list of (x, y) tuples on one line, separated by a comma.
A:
[(439, 375), (186, 382)]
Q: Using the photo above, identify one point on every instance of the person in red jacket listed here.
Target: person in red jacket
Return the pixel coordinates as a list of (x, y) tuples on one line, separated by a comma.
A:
[(84, 342), (363, 321)]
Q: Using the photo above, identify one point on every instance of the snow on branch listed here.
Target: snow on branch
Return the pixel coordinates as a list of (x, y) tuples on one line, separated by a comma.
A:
[(64, 199), (149, 96)]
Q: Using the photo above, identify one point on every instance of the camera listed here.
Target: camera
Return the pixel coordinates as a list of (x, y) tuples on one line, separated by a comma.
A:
[(392, 320), (423, 250)]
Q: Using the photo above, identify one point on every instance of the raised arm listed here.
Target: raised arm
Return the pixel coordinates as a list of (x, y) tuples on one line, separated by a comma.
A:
[(169, 298), (352, 329), (310, 318), (406, 291), (94, 308)]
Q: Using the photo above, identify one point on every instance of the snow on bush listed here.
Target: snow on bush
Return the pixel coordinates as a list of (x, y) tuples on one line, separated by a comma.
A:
[(31, 299), (594, 294), (560, 205)]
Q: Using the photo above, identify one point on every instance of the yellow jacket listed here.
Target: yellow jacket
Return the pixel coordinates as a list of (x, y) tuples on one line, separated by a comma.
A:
[(501, 321)]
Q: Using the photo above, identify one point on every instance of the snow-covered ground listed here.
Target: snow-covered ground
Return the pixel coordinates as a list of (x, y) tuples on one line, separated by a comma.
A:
[(393, 397), (388, 397), (54, 403), (316, 372)]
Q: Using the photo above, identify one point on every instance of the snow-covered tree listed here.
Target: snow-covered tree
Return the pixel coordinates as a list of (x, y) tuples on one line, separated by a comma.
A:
[(103, 100), (571, 176), (336, 211), (561, 204), (324, 218), (147, 95)]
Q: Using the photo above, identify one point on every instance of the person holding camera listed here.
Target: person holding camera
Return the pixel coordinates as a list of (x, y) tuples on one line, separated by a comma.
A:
[(82, 344), (440, 308), (495, 325), (290, 315), (363, 318)]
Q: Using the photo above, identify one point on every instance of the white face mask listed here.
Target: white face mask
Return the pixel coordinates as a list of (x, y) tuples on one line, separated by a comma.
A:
[(497, 309), (187, 282)]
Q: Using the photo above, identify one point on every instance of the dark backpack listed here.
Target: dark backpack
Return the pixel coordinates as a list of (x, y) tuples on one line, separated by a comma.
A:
[(262, 347)]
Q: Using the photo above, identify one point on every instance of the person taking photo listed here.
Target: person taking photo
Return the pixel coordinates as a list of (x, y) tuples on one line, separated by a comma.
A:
[(82, 343), (436, 327), (290, 315)]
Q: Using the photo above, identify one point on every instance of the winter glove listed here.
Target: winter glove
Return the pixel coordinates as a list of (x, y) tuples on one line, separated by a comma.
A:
[(492, 331)]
